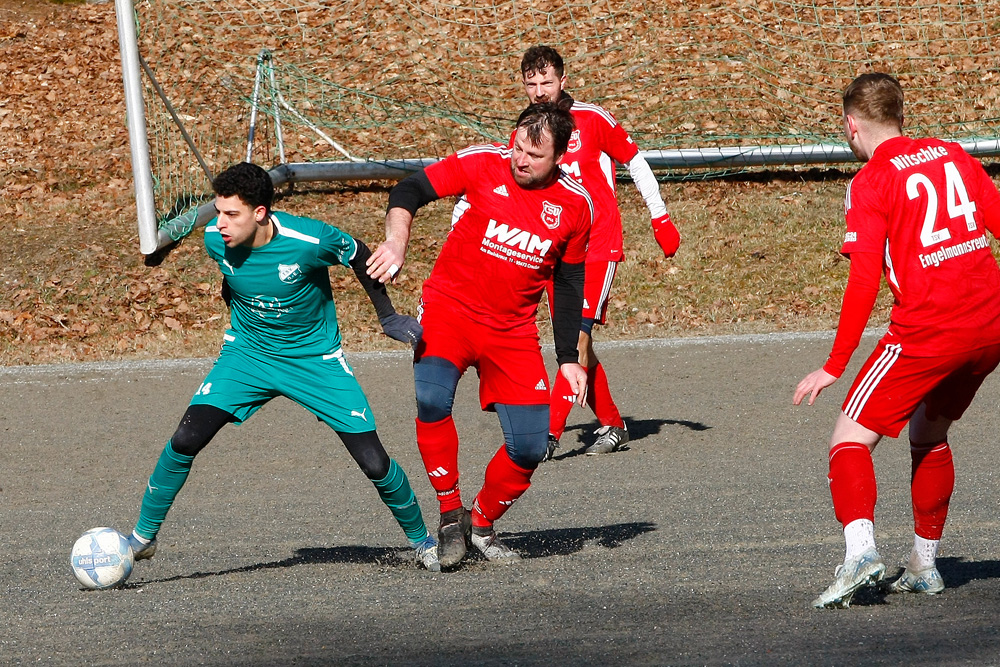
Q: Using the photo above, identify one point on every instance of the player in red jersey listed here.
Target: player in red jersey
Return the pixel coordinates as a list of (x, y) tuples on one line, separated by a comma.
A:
[(596, 144), (918, 212), (523, 223)]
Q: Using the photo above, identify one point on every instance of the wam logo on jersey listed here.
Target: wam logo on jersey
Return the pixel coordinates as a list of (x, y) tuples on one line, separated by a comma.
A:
[(574, 142), (517, 238), (289, 273), (550, 214)]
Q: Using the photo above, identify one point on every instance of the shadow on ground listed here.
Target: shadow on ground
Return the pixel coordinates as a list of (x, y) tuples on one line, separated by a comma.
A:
[(637, 430), (530, 544)]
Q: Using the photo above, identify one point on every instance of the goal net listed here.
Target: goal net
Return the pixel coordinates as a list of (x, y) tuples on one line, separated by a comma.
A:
[(373, 83)]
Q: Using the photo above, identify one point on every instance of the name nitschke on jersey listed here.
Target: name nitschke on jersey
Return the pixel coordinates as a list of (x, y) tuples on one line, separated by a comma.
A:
[(901, 162)]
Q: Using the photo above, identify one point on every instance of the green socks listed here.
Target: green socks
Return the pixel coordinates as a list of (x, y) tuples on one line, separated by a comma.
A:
[(394, 490), (167, 479), (172, 471)]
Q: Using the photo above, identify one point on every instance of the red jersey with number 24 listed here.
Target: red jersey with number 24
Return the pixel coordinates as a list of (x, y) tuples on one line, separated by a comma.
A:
[(505, 240), (925, 206)]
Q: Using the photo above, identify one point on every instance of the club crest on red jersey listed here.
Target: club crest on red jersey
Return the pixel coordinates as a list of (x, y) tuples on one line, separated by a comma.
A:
[(574, 142), (550, 214)]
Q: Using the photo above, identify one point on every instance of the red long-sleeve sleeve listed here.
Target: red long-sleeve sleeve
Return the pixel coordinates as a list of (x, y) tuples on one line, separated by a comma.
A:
[(859, 299)]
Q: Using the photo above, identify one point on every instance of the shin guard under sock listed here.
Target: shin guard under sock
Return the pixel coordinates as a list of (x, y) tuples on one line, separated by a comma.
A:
[(932, 481), (438, 444), (852, 482), (505, 482), (395, 491), (168, 477), (599, 398)]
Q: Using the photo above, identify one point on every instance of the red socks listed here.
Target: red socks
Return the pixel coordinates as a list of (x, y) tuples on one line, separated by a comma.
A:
[(598, 398), (931, 483), (559, 405), (438, 444), (505, 482), (852, 482)]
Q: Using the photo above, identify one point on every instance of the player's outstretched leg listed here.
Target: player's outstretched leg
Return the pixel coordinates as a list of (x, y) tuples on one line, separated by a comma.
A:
[(932, 481), (505, 482), (854, 491), (393, 487), (171, 471), (395, 491), (198, 426)]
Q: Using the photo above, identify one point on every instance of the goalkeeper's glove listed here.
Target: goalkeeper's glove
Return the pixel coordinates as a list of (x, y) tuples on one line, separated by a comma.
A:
[(402, 328), (666, 234)]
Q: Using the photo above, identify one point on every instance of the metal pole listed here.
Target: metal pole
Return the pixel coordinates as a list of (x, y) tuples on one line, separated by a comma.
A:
[(142, 173)]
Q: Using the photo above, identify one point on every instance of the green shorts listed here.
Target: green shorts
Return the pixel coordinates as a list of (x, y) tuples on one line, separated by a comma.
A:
[(241, 381)]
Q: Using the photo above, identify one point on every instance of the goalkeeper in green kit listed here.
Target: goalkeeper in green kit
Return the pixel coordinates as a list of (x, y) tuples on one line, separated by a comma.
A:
[(283, 340)]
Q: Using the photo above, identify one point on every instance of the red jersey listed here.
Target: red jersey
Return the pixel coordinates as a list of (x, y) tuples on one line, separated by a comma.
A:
[(595, 145), (924, 205), (505, 240)]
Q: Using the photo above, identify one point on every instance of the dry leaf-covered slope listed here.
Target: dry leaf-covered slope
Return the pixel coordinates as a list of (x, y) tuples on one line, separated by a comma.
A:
[(756, 255)]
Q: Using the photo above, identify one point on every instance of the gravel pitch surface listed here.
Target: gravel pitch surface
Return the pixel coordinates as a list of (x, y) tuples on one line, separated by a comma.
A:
[(703, 543)]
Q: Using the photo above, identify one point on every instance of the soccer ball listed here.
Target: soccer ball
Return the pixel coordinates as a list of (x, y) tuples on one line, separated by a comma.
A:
[(102, 558)]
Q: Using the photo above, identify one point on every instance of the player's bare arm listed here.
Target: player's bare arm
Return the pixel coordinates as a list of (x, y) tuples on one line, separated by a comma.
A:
[(409, 195), (387, 260)]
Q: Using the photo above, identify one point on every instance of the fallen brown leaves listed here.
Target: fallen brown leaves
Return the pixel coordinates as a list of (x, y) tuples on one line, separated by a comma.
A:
[(755, 256)]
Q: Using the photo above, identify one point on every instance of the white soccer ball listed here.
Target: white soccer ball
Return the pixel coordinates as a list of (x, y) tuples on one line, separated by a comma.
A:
[(102, 558)]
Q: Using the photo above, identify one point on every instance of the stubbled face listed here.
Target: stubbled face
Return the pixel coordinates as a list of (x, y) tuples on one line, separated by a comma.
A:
[(240, 225), (543, 85), (533, 166)]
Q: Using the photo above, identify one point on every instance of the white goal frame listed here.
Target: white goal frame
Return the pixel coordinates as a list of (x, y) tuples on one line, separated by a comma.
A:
[(152, 238)]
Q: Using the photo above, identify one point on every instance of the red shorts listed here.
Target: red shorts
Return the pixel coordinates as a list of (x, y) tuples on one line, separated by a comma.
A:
[(510, 366), (596, 290), (891, 386)]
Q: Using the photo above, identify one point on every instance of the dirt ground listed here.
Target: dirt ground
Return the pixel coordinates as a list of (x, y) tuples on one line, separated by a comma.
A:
[(703, 544)]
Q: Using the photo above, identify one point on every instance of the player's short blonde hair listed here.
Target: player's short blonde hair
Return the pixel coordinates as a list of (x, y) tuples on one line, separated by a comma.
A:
[(875, 97)]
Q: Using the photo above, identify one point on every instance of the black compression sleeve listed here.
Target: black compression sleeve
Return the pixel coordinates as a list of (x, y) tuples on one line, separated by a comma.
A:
[(567, 306), (376, 290), (412, 192)]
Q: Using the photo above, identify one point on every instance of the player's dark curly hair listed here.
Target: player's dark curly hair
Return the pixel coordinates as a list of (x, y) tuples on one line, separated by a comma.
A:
[(538, 58), (248, 182), (549, 116), (876, 97)]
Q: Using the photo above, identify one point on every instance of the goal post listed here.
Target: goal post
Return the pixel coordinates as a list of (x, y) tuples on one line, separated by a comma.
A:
[(351, 91), (136, 119)]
